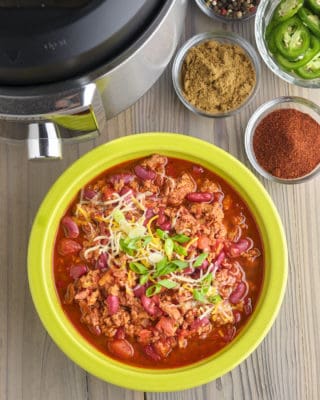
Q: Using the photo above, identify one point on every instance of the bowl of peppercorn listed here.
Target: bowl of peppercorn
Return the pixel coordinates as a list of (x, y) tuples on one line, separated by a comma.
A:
[(229, 10), (287, 34), (282, 140)]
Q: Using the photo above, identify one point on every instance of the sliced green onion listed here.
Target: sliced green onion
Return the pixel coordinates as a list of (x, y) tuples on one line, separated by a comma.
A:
[(138, 268), (180, 250), (118, 216), (125, 247), (199, 296), (168, 247), (167, 284), (215, 299), (180, 238), (152, 290), (162, 234), (200, 259), (143, 279), (180, 264)]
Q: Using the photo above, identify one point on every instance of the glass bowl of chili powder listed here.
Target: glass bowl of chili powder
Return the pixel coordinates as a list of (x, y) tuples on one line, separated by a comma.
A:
[(282, 140), (287, 34)]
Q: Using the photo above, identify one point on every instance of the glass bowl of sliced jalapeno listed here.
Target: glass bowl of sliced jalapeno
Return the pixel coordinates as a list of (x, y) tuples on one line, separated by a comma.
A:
[(288, 39)]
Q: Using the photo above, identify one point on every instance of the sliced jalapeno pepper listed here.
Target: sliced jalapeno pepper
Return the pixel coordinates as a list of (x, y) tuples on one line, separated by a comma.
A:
[(308, 55), (292, 38), (287, 9), (314, 5), (270, 37), (312, 21), (312, 69)]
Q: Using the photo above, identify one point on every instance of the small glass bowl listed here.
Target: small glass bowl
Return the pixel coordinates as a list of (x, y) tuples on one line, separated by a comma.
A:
[(223, 18), (263, 17), (223, 37), (285, 102)]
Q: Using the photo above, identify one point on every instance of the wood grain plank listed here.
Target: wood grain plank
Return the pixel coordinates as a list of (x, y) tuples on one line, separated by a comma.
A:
[(99, 390)]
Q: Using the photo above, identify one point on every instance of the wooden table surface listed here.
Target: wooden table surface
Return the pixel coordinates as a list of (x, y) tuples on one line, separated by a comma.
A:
[(285, 366)]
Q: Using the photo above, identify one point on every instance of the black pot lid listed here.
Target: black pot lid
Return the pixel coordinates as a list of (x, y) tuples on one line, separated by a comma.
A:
[(51, 40)]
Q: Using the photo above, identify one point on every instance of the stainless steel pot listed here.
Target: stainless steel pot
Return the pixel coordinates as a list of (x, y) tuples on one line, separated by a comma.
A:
[(112, 87)]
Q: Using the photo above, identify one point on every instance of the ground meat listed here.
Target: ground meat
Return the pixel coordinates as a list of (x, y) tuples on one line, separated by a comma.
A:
[(209, 186), (155, 162), (211, 216), (186, 222), (184, 185)]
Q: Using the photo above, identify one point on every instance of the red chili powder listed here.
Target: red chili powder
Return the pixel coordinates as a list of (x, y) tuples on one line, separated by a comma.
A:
[(287, 143)]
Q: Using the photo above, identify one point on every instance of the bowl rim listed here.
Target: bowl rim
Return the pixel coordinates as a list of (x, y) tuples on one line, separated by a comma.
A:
[(40, 253), (262, 111), (218, 35), (210, 13), (264, 53)]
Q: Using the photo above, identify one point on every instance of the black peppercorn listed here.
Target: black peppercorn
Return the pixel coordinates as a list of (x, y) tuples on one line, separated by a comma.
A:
[(233, 9)]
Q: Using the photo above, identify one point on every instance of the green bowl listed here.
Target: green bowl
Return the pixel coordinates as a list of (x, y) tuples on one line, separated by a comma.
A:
[(40, 256)]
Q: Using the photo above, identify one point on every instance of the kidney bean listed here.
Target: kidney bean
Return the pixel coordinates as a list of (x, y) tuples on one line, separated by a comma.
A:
[(163, 221), (89, 194), (229, 333), (248, 306), (76, 271), (95, 330), (125, 178), (144, 174), (149, 214), (150, 306), (150, 351), (199, 197), (220, 258), (121, 348), (139, 290), (199, 322), (102, 261), (120, 334), (237, 316), (236, 249), (70, 228), (196, 274), (113, 304), (68, 246), (197, 169), (204, 265), (125, 190), (239, 293), (188, 271), (161, 216), (165, 226)]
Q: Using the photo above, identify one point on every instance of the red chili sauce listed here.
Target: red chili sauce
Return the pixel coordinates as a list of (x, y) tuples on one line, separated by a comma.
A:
[(158, 262)]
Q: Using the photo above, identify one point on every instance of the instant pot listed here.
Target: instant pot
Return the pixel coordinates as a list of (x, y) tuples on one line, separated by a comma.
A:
[(61, 61)]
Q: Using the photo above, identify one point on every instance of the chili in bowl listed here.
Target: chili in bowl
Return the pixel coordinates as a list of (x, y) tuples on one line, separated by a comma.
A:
[(156, 271)]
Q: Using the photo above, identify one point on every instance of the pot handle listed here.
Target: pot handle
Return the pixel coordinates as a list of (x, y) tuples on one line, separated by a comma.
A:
[(74, 119), (44, 141)]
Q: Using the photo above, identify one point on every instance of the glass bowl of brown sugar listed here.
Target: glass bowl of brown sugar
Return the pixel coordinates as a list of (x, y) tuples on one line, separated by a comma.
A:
[(282, 140), (216, 74)]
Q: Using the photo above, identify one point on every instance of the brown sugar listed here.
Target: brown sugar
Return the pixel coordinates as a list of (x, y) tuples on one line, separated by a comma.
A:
[(217, 77)]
